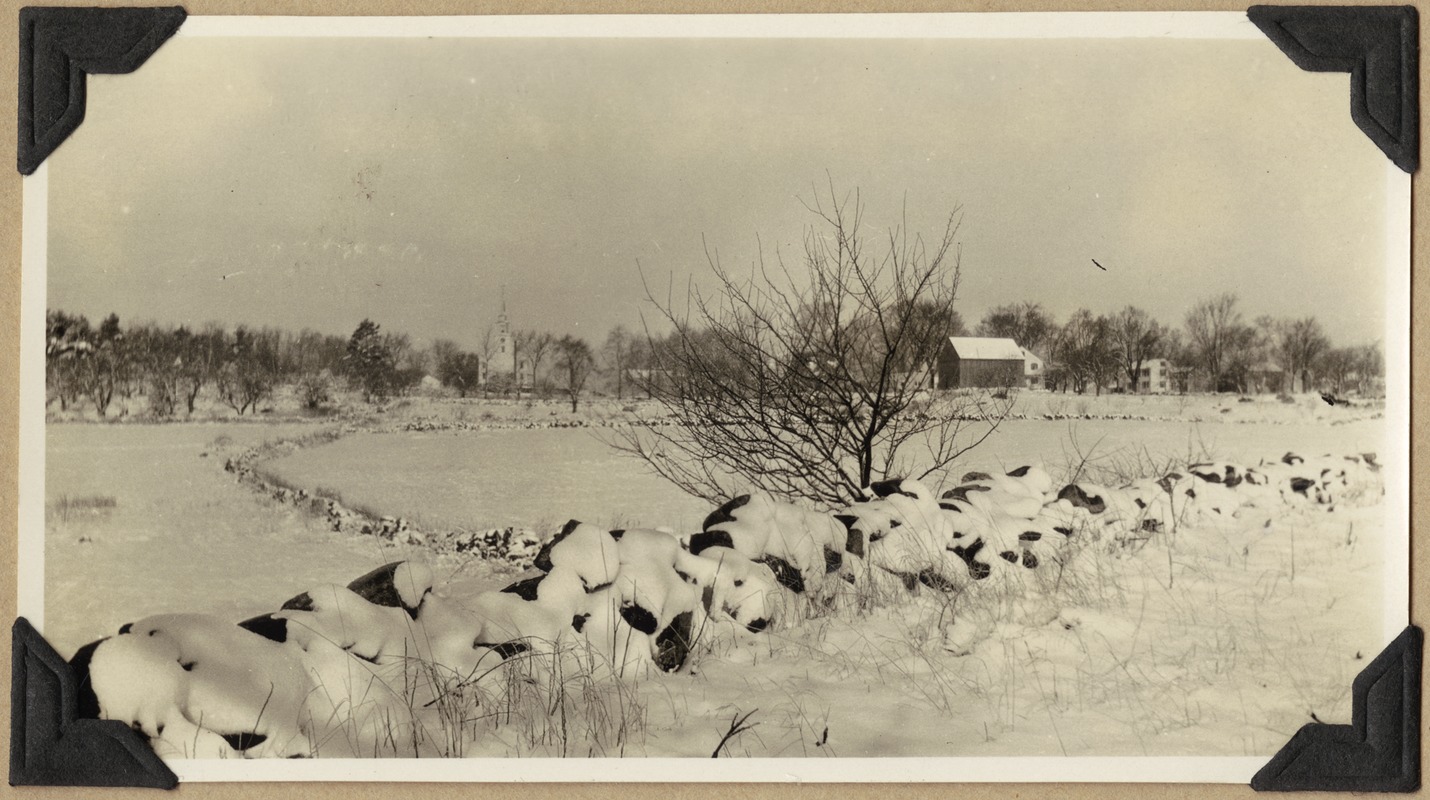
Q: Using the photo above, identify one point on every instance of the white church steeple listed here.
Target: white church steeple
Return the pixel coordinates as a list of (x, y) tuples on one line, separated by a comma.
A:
[(504, 359)]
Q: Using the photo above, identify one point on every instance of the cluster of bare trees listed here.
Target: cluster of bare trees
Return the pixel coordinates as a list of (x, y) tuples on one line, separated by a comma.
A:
[(381, 365), (85, 363), (576, 362), (172, 367), (1226, 353), (1214, 350), (456, 367), (1088, 351), (569, 360)]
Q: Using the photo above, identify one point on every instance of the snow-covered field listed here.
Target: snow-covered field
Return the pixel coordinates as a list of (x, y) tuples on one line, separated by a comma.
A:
[(180, 534), (479, 479), (1221, 640)]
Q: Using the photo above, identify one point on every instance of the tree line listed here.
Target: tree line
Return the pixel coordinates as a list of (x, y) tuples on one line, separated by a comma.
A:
[(172, 367), (1215, 349)]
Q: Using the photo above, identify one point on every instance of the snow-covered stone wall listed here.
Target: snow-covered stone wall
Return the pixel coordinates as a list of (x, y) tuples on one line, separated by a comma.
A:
[(351, 670)]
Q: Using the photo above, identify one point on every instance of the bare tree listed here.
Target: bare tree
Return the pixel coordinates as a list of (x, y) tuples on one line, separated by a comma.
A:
[(1182, 358), (1137, 339), (534, 346), (202, 356), (409, 362), (455, 367), (575, 361), (1085, 348), (1212, 327), (124, 371), (68, 345), (1336, 366), (1243, 348), (1369, 364), (105, 368), (1298, 344), (639, 364), (247, 376), (940, 321), (1267, 327), (157, 357), (810, 382), (442, 353), (618, 356), (489, 379), (1025, 323)]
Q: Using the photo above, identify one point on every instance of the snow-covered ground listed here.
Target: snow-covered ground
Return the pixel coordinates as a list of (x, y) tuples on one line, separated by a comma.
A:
[(180, 534), (1219, 652), (1222, 640), (540, 478)]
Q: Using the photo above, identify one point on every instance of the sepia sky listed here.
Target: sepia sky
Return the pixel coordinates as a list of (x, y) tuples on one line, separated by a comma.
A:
[(314, 182)]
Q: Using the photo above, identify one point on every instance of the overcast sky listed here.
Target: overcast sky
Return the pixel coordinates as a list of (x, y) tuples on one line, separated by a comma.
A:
[(314, 182)]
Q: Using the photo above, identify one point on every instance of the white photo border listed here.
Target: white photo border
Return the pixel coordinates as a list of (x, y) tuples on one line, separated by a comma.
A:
[(1074, 24)]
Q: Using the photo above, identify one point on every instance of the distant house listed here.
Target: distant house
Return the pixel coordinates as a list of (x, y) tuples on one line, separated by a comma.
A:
[(1033, 369), (1155, 377), (974, 362)]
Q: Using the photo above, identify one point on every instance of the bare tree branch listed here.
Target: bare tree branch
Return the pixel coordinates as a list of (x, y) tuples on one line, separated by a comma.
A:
[(811, 381)]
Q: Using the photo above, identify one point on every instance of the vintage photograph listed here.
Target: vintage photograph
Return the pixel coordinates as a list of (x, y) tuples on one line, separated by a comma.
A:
[(941, 388)]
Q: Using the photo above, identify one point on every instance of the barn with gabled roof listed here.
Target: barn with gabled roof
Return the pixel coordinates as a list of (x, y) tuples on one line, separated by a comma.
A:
[(976, 362)]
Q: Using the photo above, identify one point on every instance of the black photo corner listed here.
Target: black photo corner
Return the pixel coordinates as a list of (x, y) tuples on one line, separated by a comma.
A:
[(59, 47), (56, 738), (1378, 45), (51, 744)]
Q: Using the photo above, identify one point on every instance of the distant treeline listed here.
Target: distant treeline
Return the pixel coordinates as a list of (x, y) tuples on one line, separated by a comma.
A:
[(1215, 349), (172, 367)]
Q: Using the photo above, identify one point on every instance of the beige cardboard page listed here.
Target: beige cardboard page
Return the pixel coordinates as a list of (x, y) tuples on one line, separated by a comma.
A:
[(572, 292)]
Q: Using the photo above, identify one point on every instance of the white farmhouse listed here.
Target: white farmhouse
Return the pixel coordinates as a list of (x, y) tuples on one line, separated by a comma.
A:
[(1033, 369), (1155, 377)]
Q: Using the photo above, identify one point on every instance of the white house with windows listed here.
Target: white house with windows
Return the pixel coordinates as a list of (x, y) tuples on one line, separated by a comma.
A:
[(1155, 377), (1033, 369)]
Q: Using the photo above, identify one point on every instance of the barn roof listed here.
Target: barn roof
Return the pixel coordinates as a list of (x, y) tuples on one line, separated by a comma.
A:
[(981, 349)]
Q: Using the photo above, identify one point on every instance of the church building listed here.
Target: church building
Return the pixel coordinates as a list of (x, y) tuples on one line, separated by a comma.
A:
[(505, 362), (503, 359)]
